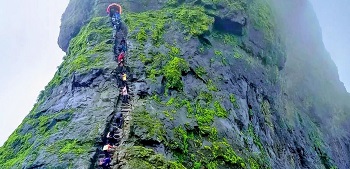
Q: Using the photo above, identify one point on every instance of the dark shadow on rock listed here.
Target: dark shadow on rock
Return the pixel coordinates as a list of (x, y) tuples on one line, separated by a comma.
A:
[(204, 40), (209, 6), (84, 80), (150, 143), (51, 124), (34, 166), (228, 26)]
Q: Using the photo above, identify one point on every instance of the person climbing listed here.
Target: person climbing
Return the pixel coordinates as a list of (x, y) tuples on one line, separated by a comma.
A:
[(118, 21), (123, 45), (121, 68), (124, 79), (105, 162), (120, 48), (108, 148), (121, 57), (111, 12), (114, 25), (114, 11), (112, 15), (110, 137), (119, 72), (125, 95), (119, 120)]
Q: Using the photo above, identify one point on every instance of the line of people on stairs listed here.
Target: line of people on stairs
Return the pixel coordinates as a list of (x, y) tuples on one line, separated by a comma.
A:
[(113, 137), (114, 11), (112, 140), (120, 49)]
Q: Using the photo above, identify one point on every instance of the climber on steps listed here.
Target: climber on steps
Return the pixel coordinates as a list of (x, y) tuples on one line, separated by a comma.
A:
[(116, 47), (110, 137), (121, 57), (122, 47), (108, 148), (124, 79), (114, 10), (119, 74), (125, 94), (105, 162), (119, 120)]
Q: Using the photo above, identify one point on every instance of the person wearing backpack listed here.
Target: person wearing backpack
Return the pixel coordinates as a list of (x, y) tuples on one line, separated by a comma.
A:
[(110, 137), (119, 120)]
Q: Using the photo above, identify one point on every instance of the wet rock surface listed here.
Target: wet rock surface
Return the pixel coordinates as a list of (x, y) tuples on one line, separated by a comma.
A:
[(86, 120)]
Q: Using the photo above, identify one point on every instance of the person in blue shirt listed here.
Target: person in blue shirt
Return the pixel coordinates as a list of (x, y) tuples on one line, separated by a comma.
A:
[(123, 45), (117, 15), (105, 162)]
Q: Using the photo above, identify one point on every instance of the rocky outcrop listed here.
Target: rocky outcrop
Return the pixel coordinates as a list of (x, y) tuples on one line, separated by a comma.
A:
[(76, 15), (66, 125), (79, 13)]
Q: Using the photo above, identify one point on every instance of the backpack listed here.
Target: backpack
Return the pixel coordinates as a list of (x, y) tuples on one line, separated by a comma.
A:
[(117, 16), (124, 77)]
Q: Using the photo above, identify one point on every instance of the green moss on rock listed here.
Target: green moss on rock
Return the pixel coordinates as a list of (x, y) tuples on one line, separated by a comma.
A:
[(234, 101), (86, 51), (144, 158), (15, 150), (262, 18), (211, 86), (173, 73), (146, 126), (64, 147), (151, 24), (20, 147)]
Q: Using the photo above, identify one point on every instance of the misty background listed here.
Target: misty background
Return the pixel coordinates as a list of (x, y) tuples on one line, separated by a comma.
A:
[(334, 19), (30, 54)]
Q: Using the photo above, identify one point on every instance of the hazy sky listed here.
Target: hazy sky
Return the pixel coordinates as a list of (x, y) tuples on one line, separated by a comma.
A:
[(334, 18), (29, 53)]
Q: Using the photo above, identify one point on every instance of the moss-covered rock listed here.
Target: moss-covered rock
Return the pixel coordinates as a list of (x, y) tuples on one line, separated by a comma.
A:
[(144, 158)]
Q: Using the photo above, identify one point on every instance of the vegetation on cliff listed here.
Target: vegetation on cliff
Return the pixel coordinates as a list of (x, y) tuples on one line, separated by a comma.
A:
[(35, 135)]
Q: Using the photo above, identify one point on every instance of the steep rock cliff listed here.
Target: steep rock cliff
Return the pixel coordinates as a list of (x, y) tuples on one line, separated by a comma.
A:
[(229, 87)]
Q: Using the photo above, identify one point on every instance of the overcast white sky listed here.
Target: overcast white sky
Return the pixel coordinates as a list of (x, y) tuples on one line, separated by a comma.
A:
[(334, 18), (29, 53)]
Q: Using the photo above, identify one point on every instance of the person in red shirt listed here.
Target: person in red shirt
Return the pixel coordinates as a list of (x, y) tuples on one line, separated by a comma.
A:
[(121, 57)]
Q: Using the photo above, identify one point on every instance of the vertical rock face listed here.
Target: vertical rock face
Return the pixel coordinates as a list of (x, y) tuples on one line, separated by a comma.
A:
[(72, 112), (75, 16), (227, 84), (312, 84)]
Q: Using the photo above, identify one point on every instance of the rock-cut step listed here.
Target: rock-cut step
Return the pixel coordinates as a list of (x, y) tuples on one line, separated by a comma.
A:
[(127, 109)]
